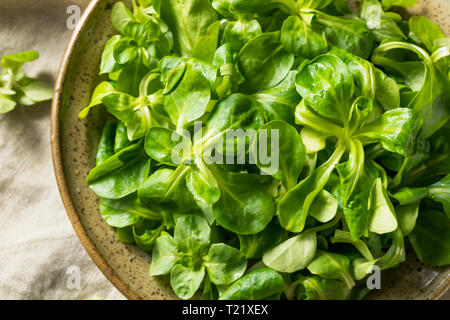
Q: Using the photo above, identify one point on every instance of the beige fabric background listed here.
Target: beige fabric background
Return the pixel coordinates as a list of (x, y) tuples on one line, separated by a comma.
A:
[(40, 255)]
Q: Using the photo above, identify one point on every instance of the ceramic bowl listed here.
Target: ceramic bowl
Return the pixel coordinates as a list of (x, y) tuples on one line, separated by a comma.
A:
[(74, 142)]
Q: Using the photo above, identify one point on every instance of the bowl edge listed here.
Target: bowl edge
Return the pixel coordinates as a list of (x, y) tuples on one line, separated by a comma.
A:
[(55, 141)]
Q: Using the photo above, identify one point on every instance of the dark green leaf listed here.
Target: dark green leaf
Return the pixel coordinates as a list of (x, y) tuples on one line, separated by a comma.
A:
[(301, 39), (264, 62), (396, 129), (431, 238), (188, 20), (125, 212), (407, 217), (279, 102), (121, 174), (287, 152), (121, 140), (245, 207), (349, 34), (145, 234), (167, 146), (253, 246), (239, 32)]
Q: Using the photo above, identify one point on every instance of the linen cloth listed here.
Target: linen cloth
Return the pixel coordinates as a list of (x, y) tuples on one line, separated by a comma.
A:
[(40, 254)]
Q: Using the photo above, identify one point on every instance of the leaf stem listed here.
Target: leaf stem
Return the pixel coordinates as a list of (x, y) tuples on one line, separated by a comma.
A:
[(327, 225), (423, 170)]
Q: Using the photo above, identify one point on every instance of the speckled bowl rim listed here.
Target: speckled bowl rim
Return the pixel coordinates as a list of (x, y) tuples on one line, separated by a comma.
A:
[(55, 137)]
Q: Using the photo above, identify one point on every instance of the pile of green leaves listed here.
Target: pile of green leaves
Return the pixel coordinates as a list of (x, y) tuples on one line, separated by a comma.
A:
[(361, 104), (16, 87)]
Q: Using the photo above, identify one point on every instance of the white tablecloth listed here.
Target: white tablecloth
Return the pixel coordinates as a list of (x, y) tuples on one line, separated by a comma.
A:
[(40, 255)]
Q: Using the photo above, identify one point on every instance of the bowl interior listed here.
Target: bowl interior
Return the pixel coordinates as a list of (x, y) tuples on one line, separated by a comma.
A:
[(74, 144)]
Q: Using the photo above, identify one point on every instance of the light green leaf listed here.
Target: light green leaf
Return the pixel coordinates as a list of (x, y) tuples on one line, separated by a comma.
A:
[(6, 104), (377, 20), (317, 288), (206, 46), (202, 184), (239, 32), (293, 208), (102, 90), (167, 146), (164, 255), (400, 3), (279, 102), (224, 264), (166, 189), (189, 100), (347, 33), (313, 140), (192, 234), (328, 86), (383, 219), (426, 31), (185, 281), (341, 236), (324, 207), (16, 60), (120, 15), (287, 152), (330, 265), (396, 129), (36, 90), (302, 39), (293, 254)]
